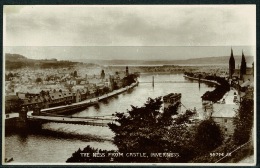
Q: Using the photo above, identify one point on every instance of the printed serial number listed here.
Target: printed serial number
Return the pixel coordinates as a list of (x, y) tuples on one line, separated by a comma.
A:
[(219, 154)]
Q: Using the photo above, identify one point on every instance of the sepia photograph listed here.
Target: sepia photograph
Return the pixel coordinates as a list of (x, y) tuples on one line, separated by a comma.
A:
[(129, 85)]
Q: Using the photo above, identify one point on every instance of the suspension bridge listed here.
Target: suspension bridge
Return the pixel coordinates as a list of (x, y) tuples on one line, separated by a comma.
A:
[(51, 116), (102, 121), (94, 121)]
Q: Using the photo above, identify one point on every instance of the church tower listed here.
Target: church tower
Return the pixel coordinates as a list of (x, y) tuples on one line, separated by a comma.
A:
[(231, 64), (126, 71)]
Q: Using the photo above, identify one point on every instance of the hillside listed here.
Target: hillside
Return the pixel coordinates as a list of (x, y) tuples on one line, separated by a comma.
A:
[(14, 57), (17, 61)]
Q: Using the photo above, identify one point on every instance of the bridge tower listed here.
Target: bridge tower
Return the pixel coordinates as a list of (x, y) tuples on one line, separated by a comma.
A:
[(153, 81), (36, 110), (126, 71), (22, 120)]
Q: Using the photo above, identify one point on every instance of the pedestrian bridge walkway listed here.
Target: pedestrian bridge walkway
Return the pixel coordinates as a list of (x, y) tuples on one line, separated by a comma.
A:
[(95, 121)]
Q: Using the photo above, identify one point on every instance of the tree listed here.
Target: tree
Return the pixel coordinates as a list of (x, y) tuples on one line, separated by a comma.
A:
[(102, 74), (128, 80), (106, 90), (42, 93), (38, 80), (243, 122), (97, 92), (75, 74), (219, 91), (147, 129), (208, 135)]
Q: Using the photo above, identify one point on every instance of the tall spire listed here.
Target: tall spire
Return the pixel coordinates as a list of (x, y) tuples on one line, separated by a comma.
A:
[(243, 65), (126, 71), (231, 64)]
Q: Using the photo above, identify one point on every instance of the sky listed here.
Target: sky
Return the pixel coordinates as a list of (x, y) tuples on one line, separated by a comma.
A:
[(130, 31)]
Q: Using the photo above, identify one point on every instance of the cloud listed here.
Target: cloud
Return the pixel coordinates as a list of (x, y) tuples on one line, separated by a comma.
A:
[(169, 25)]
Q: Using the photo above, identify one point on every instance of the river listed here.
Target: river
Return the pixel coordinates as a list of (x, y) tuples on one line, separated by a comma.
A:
[(56, 142)]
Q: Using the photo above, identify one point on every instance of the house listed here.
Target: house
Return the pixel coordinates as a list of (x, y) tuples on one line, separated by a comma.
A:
[(108, 84), (83, 82), (77, 97), (30, 102), (94, 80), (248, 92), (12, 103), (83, 93), (118, 82), (91, 91), (101, 88), (68, 97), (223, 115), (46, 100), (56, 98), (245, 85), (72, 82)]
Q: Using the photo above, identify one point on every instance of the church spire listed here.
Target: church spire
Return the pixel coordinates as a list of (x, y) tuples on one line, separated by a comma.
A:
[(243, 65), (231, 64), (126, 71)]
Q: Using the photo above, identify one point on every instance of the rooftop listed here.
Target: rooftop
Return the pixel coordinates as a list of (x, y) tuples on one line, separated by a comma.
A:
[(224, 110)]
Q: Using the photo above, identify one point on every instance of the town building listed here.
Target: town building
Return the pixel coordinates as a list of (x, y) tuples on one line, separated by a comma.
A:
[(12, 103), (57, 99), (223, 115)]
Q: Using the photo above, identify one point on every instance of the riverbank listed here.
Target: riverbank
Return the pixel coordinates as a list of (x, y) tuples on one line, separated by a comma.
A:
[(202, 80), (75, 106)]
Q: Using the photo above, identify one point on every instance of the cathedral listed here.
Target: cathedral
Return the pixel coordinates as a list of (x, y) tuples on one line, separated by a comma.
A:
[(243, 72)]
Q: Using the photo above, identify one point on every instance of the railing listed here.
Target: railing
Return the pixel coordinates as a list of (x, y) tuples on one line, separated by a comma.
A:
[(95, 121)]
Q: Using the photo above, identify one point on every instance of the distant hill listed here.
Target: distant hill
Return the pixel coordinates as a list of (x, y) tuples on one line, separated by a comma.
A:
[(16, 58), (222, 60), (17, 61), (216, 60)]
